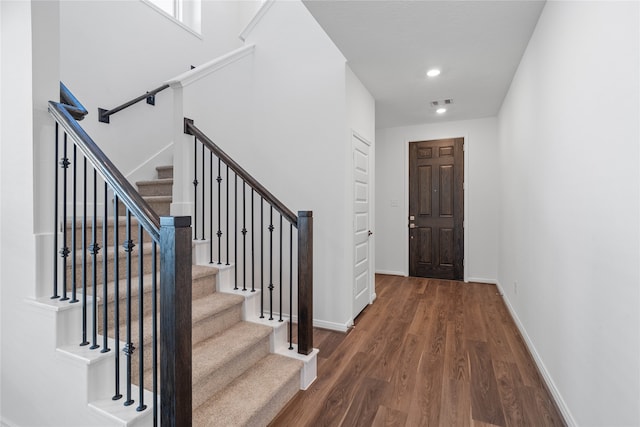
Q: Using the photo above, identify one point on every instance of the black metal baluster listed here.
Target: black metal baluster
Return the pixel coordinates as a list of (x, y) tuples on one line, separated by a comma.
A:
[(261, 257), (64, 251), (290, 286), (280, 308), (84, 253), (105, 313), (203, 182), (271, 228), (129, 347), (154, 335), (195, 188), (74, 243), (253, 252), (244, 237), (219, 233), (235, 231), (210, 206), (55, 220), (95, 249), (116, 296), (141, 406), (227, 231)]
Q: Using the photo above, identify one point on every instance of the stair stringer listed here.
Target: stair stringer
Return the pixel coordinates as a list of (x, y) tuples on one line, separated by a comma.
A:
[(279, 339)]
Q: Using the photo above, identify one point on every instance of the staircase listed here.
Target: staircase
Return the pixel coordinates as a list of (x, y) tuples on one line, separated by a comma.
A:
[(237, 379)]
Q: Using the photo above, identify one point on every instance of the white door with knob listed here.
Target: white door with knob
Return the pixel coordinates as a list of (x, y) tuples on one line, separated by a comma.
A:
[(362, 230)]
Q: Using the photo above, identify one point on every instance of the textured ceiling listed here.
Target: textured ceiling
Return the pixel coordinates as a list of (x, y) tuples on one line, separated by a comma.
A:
[(391, 44)]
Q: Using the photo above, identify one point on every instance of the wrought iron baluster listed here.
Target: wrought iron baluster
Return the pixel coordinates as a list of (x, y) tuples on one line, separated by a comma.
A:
[(244, 237), (195, 188), (74, 243), (235, 232), (253, 252), (219, 233), (203, 185), (290, 286), (105, 313), (261, 257), (129, 347), (154, 335), (280, 296), (116, 297), (95, 250), (227, 231), (55, 219), (271, 228), (84, 253), (141, 406), (210, 206), (64, 251)]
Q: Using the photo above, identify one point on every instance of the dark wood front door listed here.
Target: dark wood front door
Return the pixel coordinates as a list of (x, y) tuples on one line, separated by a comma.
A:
[(436, 211)]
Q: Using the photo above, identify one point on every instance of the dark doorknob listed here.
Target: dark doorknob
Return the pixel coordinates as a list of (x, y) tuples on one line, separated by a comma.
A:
[(370, 232)]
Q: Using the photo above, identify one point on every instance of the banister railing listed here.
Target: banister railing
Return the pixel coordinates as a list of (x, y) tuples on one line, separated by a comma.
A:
[(270, 266), (84, 179), (104, 114)]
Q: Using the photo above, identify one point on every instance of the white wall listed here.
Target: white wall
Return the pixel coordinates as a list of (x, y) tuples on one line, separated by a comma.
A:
[(281, 113), (112, 52), (480, 198), (569, 229)]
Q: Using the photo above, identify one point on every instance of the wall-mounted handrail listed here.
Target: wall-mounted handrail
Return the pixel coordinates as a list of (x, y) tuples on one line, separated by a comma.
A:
[(103, 114), (191, 129), (123, 188)]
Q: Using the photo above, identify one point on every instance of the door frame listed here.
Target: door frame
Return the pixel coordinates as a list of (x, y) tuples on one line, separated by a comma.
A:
[(372, 252), (465, 190)]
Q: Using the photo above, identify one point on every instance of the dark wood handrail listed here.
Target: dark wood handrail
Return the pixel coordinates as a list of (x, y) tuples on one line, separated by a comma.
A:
[(103, 115), (122, 188), (73, 106), (191, 129)]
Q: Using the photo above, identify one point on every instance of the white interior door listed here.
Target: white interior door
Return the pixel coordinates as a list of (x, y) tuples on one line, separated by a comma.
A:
[(361, 196)]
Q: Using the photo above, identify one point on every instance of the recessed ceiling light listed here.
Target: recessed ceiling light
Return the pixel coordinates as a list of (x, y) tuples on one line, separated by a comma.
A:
[(441, 110), (434, 72)]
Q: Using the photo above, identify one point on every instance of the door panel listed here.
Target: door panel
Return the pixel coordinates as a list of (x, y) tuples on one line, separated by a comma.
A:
[(362, 276), (436, 210)]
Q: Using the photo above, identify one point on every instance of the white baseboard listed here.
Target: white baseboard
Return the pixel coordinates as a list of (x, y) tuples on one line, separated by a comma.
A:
[(333, 326), (391, 273), (562, 405), (482, 280)]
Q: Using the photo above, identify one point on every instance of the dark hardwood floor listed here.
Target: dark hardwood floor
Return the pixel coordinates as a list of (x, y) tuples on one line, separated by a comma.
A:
[(425, 353)]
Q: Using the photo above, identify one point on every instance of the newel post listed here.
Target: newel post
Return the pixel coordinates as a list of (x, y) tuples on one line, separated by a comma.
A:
[(175, 321), (305, 282)]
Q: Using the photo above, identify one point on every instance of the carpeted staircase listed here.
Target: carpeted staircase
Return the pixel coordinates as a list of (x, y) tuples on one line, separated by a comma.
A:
[(237, 380)]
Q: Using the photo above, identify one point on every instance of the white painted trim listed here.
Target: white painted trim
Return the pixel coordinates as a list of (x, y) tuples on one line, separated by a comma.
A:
[(333, 326), (562, 405), (173, 19), (151, 159), (482, 280), (261, 12), (392, 273), (192, 76)]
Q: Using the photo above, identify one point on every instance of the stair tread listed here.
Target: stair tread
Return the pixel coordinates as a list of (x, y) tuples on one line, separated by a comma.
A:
[(256, 386), (213, 353), (213, 304), (155, 181)]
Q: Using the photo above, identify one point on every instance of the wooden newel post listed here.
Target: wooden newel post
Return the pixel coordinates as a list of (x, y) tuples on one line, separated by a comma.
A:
[(305, 282), (175, 321)]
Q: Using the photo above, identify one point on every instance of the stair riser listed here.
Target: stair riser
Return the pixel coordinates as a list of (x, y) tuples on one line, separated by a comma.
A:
[(122, 268), (122, 234), (204, 388), (165, 172), (161, 208), (159, 188)]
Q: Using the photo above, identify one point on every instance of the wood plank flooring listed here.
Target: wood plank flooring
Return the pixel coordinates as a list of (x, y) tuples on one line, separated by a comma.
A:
[(426, 353)]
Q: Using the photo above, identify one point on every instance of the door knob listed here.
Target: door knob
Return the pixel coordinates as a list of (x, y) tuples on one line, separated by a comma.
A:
[(370, 232)]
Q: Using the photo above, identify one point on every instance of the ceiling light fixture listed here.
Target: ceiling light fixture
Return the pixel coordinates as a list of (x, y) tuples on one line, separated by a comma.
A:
[(433, 72), (441, 110)]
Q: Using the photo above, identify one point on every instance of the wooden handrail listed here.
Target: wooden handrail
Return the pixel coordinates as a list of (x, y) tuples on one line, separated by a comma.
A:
[(191, 129), (122, 188)]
